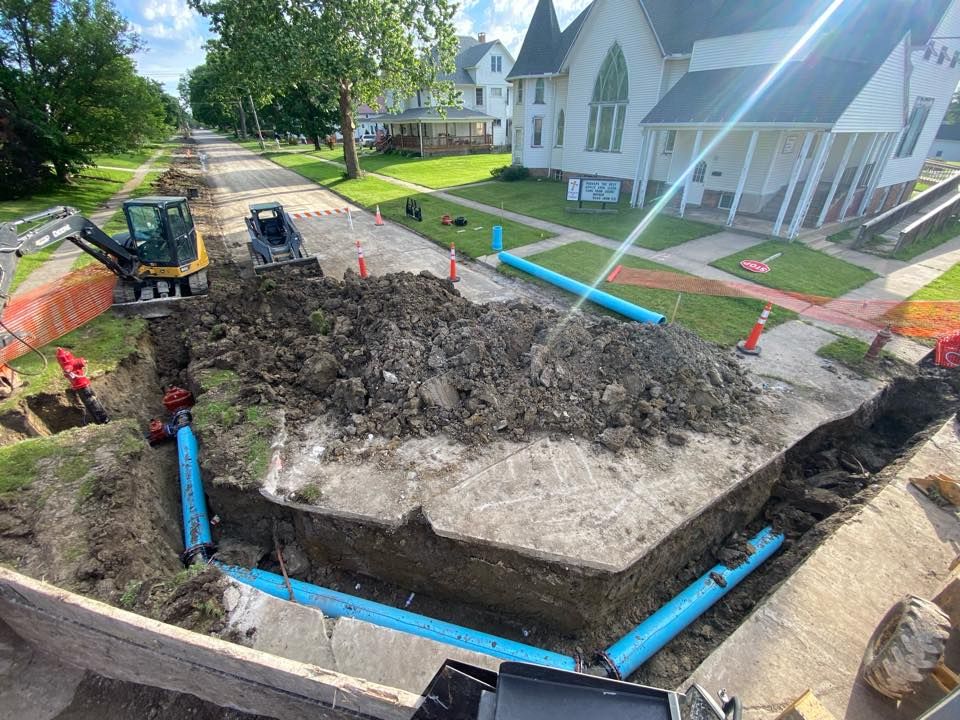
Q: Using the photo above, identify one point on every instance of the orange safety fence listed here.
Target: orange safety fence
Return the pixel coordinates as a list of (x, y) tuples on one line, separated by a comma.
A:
[(924, 318), (45, 313)]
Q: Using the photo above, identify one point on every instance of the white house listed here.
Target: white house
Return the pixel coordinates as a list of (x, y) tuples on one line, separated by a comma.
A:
[(482, 124), (798, 112), (946, 146)]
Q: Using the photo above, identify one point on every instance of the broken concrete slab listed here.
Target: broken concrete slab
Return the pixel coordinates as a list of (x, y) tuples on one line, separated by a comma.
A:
[(278, 627), (393, 658), (811, 633)]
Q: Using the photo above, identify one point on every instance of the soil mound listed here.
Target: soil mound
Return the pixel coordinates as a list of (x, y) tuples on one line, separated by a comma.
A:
[(405, 355)]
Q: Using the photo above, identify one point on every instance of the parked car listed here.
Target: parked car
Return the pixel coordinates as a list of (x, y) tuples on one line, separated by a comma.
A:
[(368, 140)]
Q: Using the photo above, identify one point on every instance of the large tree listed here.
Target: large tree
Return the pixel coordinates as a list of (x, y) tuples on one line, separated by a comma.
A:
[(69, 88), (353, 49)]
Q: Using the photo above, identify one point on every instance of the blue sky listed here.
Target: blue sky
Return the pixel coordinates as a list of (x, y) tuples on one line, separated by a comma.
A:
[(174, 34)]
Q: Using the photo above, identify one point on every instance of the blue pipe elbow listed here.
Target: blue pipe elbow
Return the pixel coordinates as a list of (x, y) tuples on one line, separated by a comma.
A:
[(626, 655), (197, 539), (611, 302), (337, 604)]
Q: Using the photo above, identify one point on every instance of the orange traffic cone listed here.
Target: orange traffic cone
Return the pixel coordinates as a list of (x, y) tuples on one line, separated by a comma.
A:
[(378, 220), (453, 264), (750, 347), (361, 261)]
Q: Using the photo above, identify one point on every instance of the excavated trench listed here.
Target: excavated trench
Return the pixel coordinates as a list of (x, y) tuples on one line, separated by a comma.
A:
[(804, 492)]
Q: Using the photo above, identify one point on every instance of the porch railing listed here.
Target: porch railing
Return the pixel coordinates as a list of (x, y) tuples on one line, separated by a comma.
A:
[(447, 142), (895, 215)]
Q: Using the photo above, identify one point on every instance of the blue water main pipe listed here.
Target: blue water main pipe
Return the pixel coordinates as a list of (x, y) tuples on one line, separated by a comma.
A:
[(621, 659), (611, 302), (636, 647), (197, 539), (337, 604)]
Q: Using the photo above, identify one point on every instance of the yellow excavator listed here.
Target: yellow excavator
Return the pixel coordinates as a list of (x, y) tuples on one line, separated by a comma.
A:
[(161, 257)]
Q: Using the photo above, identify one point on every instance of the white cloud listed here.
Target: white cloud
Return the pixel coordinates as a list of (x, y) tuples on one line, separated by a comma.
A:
[(168, 18)]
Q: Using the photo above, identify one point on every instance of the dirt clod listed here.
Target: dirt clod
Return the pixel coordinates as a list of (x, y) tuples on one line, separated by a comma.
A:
[(405, 355)]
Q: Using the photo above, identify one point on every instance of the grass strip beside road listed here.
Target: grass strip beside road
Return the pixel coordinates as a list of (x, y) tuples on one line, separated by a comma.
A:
[(369, 192), (722, 320), (547, 200), (945, 287), (798, 269)]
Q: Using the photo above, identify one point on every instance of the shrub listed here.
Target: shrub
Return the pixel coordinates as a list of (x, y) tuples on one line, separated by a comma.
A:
[(509, 173)]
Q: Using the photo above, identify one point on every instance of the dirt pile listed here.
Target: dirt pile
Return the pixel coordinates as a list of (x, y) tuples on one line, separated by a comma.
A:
[(405, 355)]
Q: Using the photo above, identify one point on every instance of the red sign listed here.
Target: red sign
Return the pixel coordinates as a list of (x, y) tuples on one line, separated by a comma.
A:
[(947, 353), (754, 266)]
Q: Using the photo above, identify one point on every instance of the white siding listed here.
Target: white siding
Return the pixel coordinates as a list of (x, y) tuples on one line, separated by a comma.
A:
[(757, 48), (607, 23), (488, 79), (782, 162), (559, 103), (928, 80), (879, 105), (533, 156), (673, 70)]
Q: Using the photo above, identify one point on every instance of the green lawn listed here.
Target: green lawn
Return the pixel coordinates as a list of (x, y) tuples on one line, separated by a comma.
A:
[(798, 269), (437, 172), (104, 342), (369, 192), (945, 287), (720, 319), (546, 199), (136, 158), (949, 231)]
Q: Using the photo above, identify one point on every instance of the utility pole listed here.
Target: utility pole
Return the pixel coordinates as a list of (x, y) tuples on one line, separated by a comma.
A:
[(243, 121), (256, 121)]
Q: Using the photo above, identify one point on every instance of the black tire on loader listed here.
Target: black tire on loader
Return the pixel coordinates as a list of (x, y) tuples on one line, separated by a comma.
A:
[(906, 647)]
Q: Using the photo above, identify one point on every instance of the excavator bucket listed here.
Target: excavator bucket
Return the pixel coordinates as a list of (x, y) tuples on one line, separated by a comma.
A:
[(308, 264)]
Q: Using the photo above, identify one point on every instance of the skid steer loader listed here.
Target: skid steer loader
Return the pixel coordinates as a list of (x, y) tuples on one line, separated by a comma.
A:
[(275, 242)]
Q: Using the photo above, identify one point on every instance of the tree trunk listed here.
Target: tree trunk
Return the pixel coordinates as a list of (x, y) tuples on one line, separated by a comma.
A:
[(346, 129), (63, 172), (243, 121), (256, 121)]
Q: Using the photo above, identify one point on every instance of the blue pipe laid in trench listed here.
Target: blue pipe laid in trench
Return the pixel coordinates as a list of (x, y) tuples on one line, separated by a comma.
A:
[(337, 604), (621, 659), (611, 302), (196, 521), (640, 644)]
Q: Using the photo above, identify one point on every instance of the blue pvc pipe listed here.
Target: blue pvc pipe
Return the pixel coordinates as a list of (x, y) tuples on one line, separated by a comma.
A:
[(196, 521), (641, 643), (611, 302), (337, 604), (497, 238)]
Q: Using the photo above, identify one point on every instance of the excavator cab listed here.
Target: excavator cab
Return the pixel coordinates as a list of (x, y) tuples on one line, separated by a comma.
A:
[(171, 255)]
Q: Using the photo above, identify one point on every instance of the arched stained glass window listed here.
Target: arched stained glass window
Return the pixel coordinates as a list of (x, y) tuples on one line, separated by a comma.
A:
[(608, 106)]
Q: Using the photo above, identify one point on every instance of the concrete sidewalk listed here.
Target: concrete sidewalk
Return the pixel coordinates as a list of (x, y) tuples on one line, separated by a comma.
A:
[(811, 633)]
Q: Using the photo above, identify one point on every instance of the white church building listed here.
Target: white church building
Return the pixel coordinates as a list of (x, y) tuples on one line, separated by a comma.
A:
[(658, 92)]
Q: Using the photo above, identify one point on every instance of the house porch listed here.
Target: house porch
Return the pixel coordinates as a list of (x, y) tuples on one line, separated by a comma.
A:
[(441, 138), (769, 181)]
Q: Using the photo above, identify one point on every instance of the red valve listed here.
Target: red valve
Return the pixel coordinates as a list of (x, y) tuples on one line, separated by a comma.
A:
[(74, 369), (176, 398)]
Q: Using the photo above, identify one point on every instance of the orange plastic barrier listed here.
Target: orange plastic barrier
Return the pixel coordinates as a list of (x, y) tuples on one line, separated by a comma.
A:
[(50, 311), (916, 319)]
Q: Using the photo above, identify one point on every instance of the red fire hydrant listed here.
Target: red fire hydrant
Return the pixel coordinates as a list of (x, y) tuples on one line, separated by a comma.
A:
[(75, 371)]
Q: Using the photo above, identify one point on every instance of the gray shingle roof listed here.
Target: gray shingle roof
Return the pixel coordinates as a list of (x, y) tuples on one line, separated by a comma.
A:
[(679, 23), (431, 114), (948, 132), (798, 96), (470, 54), (545, 46)]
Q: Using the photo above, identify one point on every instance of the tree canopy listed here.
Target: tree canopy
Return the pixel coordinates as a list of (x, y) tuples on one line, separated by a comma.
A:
[(341, 52), (69, 89)]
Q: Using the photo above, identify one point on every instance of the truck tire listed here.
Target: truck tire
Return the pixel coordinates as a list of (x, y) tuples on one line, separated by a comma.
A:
[(906, 647)]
